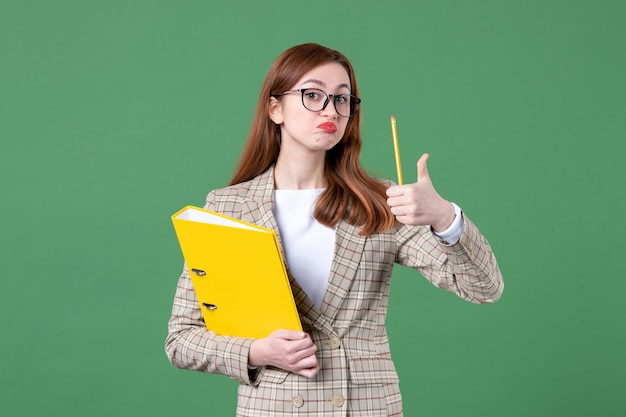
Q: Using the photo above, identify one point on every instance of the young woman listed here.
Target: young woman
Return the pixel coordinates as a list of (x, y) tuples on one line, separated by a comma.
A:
[(341, 232)]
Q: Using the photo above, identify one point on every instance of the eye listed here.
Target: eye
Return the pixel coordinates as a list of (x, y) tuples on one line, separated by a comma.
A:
[(313, 95), (342, 99)]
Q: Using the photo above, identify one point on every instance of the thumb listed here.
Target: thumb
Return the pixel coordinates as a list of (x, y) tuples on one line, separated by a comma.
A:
[(422, 169)]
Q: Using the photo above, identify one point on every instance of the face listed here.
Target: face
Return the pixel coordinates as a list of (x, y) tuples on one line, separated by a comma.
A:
[(306, 131)]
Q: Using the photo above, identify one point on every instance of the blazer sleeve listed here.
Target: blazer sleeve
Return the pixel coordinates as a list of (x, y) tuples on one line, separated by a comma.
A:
[(189, 345), (467, 268)]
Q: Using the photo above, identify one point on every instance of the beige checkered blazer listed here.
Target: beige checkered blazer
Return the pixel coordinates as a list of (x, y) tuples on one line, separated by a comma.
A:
[(357, 376)]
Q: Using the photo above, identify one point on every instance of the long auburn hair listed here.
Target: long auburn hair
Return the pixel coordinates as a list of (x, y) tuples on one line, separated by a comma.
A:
[(351, 193)]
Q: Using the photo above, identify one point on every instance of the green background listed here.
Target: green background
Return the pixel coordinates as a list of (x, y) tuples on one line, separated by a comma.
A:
[(115, 114)]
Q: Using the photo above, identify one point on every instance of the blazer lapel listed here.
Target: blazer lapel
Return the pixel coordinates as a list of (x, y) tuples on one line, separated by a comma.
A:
[(348, 250)]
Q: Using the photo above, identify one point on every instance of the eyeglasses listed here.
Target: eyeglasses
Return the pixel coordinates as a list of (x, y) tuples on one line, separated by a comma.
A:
[(316, 100)]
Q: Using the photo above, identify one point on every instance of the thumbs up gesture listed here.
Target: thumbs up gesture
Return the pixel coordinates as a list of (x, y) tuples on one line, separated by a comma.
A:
[(419, 204)]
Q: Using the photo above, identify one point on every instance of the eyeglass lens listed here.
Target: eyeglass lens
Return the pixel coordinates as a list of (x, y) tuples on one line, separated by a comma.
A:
[(316, 100)]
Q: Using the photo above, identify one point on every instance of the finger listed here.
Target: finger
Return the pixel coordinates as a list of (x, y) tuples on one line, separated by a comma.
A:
[(309, 372), (397, 210), (422, 168), (395, 191), (396, 201), (309, 361), (299, 349), (309, 350), (289, 334), (299, 359), (309, 366)]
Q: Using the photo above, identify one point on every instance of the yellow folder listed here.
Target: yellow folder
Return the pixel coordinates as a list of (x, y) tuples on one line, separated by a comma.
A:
[(238, 274)]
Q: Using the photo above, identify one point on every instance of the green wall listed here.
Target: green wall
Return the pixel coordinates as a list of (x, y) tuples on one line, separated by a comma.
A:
[(114, 114)]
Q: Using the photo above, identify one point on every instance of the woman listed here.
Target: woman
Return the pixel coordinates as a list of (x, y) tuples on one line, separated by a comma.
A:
[(341, 232)]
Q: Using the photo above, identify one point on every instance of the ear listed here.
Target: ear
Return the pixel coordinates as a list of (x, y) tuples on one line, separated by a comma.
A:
[(276, 111)]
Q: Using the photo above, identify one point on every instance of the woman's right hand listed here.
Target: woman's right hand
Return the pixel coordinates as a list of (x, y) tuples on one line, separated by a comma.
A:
[(290, 350)]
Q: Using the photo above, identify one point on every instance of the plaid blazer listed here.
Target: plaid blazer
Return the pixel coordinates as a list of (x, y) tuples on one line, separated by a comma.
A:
[(357, 376)]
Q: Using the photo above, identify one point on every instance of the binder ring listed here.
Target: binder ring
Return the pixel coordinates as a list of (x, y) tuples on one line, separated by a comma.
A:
[(209, 306), (198, 272)]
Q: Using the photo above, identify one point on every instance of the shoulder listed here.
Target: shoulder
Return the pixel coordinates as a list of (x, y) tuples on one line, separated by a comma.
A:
[(232, 191), (229, 200)]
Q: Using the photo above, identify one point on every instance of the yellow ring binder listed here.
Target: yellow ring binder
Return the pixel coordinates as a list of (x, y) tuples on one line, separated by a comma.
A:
[(239, 267)]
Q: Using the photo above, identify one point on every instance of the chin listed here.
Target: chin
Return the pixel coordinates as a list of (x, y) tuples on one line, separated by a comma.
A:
[(327, 142)]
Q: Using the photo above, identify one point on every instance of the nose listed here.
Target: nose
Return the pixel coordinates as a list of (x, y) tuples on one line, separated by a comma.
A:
[(329, 109)]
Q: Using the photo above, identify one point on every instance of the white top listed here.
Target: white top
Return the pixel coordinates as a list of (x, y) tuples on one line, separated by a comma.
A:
[(309, 245)]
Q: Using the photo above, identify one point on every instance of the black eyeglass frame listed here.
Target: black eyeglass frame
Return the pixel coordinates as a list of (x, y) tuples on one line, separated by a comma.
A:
[(357, 101)]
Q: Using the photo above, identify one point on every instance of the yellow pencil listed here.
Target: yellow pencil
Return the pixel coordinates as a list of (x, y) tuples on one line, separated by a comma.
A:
[(396, 148)]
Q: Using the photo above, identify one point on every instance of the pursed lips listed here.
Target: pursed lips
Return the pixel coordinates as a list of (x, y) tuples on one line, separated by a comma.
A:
[(328, 127)]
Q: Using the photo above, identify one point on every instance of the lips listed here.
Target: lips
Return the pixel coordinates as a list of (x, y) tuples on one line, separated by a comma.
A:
[(328, 127)]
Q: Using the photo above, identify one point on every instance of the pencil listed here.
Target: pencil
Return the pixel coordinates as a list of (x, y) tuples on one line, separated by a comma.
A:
[(396, 149)]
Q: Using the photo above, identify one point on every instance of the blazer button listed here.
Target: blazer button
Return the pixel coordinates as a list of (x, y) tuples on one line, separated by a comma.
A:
[(338, 400), (298, 401), (334, 342)]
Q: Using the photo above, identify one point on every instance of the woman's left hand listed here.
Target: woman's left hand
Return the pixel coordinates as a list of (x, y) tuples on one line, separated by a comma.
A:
[(419, 204)]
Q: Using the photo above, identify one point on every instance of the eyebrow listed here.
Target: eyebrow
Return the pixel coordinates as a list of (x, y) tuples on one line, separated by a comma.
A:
[(323, 84)]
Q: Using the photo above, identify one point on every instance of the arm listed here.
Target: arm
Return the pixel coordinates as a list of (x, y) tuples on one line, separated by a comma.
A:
[(189, 345), (466, 267)]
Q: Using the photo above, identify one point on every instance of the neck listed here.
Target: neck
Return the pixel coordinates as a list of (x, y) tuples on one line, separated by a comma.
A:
[(299, 174)]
